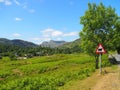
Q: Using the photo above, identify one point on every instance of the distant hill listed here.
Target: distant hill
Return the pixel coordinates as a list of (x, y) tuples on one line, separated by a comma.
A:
[(17, 42), (5, 41), (53, 43), (71, 47), (71, 44), (23, 43)]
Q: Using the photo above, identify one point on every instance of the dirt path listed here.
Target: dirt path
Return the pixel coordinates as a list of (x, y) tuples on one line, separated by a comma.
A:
[(110, 80)]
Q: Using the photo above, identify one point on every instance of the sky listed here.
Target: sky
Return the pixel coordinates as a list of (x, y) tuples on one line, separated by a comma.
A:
[(43, 20)]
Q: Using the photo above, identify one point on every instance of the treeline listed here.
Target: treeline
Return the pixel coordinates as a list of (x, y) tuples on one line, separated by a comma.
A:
[(14, 52)]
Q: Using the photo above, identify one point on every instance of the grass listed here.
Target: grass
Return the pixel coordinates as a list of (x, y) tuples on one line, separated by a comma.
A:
[(90, 82), (47, 72)]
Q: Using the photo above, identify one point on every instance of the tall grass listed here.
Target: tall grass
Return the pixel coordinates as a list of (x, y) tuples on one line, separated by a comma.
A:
[(47, 72)]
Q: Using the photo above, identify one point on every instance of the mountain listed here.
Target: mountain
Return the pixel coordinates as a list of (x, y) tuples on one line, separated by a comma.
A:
[(53, 43), (23, 43), (72, 47), (17, 42), (5, 41), (72, 44)]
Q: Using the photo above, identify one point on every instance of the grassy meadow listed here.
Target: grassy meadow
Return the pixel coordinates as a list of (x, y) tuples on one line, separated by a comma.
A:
[(46, 72)]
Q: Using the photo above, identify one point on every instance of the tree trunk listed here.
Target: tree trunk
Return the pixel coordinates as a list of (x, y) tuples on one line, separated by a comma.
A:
[(118, 50), (97, 61)]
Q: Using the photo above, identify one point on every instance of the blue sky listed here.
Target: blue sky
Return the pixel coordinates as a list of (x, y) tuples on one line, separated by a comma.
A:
[(43, 20)]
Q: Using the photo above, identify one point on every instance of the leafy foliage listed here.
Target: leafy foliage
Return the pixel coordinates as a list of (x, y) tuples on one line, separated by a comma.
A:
[(14, 52), (98, 27), (116, 37)]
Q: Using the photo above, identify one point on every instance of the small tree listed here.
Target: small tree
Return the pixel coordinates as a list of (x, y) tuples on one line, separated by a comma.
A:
[(98, 27)]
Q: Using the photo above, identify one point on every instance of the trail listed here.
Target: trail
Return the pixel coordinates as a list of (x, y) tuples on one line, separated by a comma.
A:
[(110, 81)]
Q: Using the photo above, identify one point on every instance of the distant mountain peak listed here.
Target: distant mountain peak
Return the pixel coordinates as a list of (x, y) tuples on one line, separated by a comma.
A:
[(71, 44), (53, 43)]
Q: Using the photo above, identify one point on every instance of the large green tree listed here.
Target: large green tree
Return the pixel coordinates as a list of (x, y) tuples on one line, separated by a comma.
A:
[(116, 36), (98, 27)]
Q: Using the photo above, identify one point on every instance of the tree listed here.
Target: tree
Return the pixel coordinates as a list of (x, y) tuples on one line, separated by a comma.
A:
[(98, 27), (12, 56), (116, 37)]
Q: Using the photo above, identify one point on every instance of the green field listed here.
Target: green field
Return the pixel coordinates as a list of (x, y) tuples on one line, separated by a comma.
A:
[(47, 72)]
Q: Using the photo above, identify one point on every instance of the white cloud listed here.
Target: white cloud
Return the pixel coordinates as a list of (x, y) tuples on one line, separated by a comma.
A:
[(16, 2), (16, 35), (40, 40), (23, 5), (71, 34), (18, 19), (6, 2), (59, 39), (31, 10), (1, 0), (57, 33), (51, 33)]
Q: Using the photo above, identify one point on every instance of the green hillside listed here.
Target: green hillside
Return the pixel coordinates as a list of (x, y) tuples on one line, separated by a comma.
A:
[(45, 73), (52, 43), (71, 44), (17, 42), (71, 47)]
